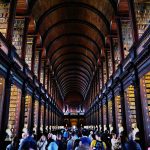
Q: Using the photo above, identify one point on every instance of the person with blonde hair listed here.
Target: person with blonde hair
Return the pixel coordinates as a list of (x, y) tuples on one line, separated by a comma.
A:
[(41, 144)]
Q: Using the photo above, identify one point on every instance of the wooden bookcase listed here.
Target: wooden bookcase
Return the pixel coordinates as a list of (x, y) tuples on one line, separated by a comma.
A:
[(14, 109), (4, 15), (130, 106), (18, 34)]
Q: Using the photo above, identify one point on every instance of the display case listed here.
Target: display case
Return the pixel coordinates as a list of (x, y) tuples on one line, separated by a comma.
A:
[(14, 110), (42, 118), (130, 105), (36, 110), (118, 110), (28, 54), (18, 34), (145, 96), (117, 57), (2, 92), (27, 114), (126, 36), (4, 14), (142, 11)]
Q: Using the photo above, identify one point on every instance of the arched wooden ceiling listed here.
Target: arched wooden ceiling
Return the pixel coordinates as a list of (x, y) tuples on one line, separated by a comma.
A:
[(73, 33)]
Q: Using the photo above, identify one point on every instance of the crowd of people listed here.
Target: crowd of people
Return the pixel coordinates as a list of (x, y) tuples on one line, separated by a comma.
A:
[(81, 139)]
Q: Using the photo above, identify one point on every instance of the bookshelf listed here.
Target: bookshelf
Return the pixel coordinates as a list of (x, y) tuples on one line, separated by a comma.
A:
[(118, 109), (110, 113), (42, 118), (28, 56), (4, 14), (104, 116), (47, 118), (36, 63), (2, 92), (142, 11), (14, 109), (130, 101), (104, 71), (110, 67), (126, 36), (42, 73), (18, 34), (36, 110), (46, 77), (116, 52), (27, 115), (145, 96)]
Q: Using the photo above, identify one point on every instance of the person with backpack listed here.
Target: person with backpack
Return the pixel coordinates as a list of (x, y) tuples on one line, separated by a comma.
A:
[(28, 143), (131, 144), (100, 145), (53, 145), (70, 143)]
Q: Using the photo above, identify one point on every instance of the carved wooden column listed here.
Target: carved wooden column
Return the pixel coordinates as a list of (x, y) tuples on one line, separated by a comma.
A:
[(22, 108), (32, 111), (12, 13), (114, 113), (44, 121), (112, 55), (107, 116), (102, 122), (123, 108), (133, 20), (33, 54), (24, 40), (39, 118), (139, 112), (119, 28)]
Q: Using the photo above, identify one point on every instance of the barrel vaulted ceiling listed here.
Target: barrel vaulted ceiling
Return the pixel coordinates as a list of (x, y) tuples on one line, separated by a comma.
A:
[(73, 33)]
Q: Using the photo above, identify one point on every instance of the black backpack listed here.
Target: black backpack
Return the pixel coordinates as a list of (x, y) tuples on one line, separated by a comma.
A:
[(99, 145)]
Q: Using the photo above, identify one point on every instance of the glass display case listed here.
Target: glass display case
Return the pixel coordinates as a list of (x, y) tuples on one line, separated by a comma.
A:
[(36, 110), (117, 57), (42, 118), (4, 14), (14, 110), (142, 11), (28, 54), (126, 36), (27, 114), (130, 102), (2, 92), (145, 96), (18, 34)]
